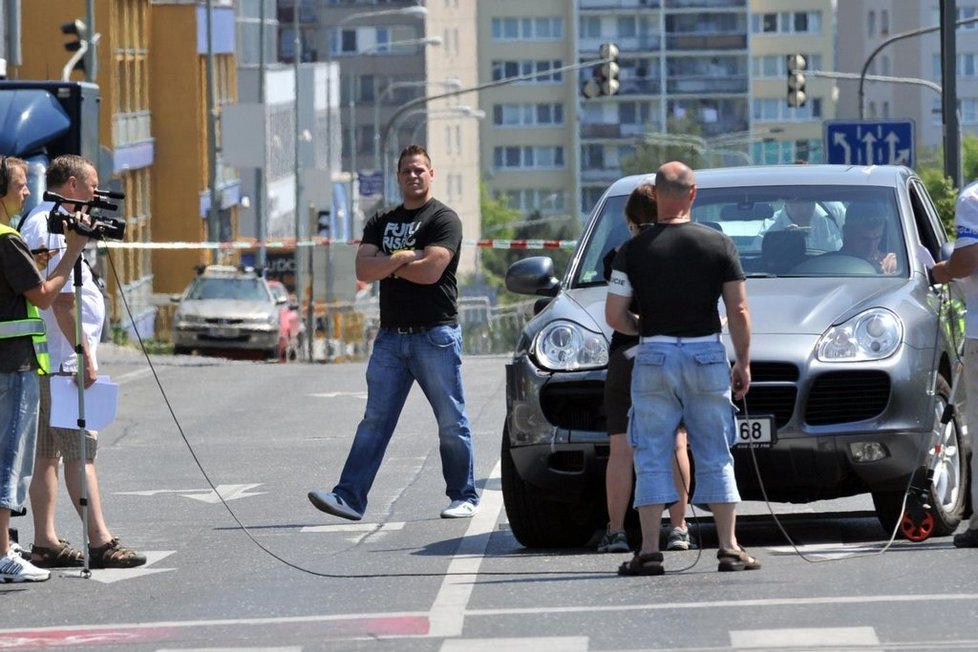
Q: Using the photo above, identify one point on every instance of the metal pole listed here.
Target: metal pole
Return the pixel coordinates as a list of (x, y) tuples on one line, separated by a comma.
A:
[(297, 258), (261, 225), (91, 61), (893, 39), (352, 104), (949, 93), (213, 230)]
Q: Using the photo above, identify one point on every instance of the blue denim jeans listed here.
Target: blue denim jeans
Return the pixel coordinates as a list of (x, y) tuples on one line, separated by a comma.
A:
[(689, 382), (18, 434), (432, 358)]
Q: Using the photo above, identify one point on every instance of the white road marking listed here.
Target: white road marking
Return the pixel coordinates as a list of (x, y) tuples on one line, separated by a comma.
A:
[(293, 648), (226, 491), (809, 637), (110, 575), (447, 613), (535, 643), (362, 395), (825, 550)]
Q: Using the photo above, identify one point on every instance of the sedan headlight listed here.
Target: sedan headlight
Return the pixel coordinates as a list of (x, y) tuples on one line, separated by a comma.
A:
[(873, 335), (188, 319), (567, 346)]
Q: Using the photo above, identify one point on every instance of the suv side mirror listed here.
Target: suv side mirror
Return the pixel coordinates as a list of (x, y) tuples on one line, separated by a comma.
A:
[(533, 275), (946, 250)]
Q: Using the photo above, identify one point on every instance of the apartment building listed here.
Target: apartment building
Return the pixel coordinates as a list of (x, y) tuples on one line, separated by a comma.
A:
[(865, 25), (780, 133), (718, 65)]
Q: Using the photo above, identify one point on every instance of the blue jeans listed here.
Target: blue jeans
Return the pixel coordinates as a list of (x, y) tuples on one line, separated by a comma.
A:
[(689, 382), (19, 397), (433, 358)]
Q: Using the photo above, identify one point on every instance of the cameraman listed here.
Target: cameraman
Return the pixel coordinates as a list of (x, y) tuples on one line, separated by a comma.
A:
[(72, 177), (22, 357)]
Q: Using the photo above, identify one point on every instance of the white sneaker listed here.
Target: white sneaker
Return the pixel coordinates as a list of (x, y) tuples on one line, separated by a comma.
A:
[(14, 568), (460, 509), (19, 549), (327, 501)]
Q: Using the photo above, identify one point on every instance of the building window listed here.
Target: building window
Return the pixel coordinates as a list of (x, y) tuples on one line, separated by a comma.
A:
[(871, 24), (508, 69), (526, 115), (546, 28), (540, 157)]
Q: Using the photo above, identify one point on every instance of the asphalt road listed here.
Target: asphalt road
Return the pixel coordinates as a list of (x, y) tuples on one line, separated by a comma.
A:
[(404, 579)]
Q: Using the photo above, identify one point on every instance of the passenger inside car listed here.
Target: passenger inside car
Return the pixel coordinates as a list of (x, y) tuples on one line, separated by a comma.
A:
[(804, 215)]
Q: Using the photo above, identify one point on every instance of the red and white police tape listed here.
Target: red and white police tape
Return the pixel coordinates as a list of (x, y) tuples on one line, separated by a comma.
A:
[(288, 243)]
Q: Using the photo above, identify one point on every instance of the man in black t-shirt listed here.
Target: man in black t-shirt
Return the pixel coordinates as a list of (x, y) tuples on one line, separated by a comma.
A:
[(413, 250), (677, 271)]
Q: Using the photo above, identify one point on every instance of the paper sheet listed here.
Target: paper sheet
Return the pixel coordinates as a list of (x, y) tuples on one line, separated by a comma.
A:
[(101, 400)]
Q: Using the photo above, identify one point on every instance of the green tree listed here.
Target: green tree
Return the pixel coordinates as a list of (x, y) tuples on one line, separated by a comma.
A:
[(500, 222)]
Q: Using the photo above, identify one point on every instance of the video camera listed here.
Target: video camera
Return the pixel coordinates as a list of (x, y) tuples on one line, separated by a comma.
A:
[(101, 228)]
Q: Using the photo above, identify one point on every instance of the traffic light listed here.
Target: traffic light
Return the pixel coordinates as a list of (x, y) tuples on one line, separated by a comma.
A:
[(604, 78), (796, 80), (78, 29)]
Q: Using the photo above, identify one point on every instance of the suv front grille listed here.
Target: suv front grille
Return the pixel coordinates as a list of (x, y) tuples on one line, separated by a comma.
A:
[(844, 396)]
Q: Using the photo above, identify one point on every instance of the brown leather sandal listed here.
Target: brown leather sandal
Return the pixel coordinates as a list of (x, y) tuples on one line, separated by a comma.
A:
[(114, 555), (64, 556), (736, 560)]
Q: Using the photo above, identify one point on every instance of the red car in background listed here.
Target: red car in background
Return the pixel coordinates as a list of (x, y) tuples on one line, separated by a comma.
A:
[(291, 328)]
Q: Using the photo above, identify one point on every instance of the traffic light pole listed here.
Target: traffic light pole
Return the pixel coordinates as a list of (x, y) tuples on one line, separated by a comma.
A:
[(91, 60)]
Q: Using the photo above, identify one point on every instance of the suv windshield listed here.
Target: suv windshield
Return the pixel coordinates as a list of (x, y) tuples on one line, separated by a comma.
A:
[(797, 231), (240, 289)]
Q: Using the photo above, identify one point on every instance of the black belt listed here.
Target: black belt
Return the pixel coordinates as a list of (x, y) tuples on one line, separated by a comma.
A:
[(413, 330)]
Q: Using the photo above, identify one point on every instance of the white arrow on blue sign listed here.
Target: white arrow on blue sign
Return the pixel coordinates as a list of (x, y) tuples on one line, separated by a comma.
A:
[(869, 142)]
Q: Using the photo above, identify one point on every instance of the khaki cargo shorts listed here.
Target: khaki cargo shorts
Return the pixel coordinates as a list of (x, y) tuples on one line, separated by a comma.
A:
[(60, 442)]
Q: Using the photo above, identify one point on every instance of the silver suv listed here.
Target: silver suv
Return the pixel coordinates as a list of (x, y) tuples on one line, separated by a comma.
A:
[(851, 364)]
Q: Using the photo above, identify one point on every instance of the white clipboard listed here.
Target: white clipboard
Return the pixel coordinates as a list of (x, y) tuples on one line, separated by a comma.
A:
[(101, 400)]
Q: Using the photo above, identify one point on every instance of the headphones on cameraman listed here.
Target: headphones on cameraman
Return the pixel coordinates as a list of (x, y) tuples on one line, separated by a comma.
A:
[(4, 179)]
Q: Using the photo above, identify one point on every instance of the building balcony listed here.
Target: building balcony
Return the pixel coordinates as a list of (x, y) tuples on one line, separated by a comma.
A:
[(613, 5), (730, 41), (705, 4), (706, 84)]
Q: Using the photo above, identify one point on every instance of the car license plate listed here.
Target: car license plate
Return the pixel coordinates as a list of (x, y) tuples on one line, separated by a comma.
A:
[(217, 331), (756, 431)]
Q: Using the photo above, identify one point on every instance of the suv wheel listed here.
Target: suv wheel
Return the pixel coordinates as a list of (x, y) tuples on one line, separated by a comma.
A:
[(948, 493), (538, 522)]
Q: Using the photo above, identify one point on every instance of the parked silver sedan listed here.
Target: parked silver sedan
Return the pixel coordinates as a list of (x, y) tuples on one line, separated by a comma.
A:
[(226, 309), (852, 355)]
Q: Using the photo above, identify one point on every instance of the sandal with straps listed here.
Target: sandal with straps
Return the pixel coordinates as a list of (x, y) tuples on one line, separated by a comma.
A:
[(736, 560), (649, 563), (114, 555), (64, 556)]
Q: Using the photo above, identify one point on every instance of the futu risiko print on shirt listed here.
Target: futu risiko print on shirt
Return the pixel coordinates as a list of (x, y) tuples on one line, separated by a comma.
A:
[(400, 235)]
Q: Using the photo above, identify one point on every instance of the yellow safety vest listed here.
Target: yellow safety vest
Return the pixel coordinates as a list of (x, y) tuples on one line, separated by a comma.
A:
[(33, 326)]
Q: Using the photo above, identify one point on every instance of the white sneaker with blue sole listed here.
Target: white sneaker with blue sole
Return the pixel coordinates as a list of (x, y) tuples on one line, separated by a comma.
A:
[(327, 501)]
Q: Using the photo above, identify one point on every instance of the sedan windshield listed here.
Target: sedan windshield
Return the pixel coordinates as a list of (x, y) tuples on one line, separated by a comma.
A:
[(797, 231), (240, 289)]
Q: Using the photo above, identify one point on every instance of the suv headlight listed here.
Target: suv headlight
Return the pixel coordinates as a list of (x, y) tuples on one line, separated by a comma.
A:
[(873, 335), (566, 346)]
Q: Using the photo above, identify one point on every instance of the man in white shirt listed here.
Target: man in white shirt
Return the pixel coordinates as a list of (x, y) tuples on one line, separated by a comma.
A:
[(72, 177), (821, 230)]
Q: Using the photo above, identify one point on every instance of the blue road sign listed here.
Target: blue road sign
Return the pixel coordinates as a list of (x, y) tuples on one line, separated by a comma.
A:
[(870, 142)]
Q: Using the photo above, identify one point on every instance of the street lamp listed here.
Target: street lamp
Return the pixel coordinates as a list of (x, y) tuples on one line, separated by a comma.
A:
[(448, 84)]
